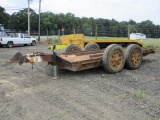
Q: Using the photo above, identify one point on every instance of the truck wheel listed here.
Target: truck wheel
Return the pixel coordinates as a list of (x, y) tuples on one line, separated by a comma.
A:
[(134, 56), (113, 58), (33, 43), (91, 46), (73, 48), (10, 44)]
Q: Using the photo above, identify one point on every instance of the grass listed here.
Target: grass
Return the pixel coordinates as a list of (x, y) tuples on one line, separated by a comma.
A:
[(139, 95), (152, 43), (60, 115)]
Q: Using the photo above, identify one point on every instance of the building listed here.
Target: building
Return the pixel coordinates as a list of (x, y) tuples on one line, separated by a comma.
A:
[(135, 36)]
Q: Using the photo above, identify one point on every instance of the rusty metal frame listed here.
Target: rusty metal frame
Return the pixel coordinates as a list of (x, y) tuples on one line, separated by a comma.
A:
[(74, 61)]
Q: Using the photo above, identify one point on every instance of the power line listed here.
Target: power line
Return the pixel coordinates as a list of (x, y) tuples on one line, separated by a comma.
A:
[(123, 5), (14, 8)]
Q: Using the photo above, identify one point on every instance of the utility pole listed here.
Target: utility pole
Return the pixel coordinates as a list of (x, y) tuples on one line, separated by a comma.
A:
[(28, 17), (74, 31), (39, 27), (96, 30), (129, 31)]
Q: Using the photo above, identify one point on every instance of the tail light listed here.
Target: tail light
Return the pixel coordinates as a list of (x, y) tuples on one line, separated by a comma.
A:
[(0, 39)]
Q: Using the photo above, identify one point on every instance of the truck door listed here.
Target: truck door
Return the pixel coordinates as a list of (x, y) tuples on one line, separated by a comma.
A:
[(27, 39), (21, 39), (15, 38)]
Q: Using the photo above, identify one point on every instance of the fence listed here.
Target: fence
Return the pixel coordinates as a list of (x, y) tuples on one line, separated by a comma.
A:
[(110, 31)]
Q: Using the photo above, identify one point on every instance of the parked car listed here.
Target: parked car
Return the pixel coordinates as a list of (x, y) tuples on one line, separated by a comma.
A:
[(17, 39)]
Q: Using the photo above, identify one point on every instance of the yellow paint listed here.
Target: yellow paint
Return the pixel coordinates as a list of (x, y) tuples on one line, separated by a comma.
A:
[(73, 38), (58, 47), (115, 41), (79, 39)]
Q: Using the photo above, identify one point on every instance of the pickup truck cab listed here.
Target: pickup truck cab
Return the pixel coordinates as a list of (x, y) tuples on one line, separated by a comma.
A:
[(17, 39)]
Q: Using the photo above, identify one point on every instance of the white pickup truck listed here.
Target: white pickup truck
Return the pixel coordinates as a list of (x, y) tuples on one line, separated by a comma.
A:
[(17, 39)]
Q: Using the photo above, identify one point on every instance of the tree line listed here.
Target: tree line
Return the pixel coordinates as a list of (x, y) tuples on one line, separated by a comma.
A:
[(71, 24)]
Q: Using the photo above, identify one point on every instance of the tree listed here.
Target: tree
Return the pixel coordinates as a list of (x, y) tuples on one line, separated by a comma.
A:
[(19, 20), (106, 27), (48, 21), (132, 22), (4, 17)]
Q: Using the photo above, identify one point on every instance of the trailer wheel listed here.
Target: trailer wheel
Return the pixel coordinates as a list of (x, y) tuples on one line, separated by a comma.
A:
[(113, 58), (91, 46), (73, 48), (134, 56), (10, 44)]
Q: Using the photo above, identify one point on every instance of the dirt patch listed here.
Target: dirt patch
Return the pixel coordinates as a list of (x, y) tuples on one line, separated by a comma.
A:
[(32, 94)]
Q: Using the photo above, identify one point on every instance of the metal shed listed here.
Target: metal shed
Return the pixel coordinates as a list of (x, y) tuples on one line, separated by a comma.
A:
[(134, 36)]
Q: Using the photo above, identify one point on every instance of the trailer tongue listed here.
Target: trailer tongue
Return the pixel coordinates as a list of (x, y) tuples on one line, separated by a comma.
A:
[(112, 58)]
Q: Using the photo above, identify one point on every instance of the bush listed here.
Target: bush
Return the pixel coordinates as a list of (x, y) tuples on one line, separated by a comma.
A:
[(51, 41)]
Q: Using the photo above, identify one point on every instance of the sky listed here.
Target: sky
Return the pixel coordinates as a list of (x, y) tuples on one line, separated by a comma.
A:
[(120, 10)]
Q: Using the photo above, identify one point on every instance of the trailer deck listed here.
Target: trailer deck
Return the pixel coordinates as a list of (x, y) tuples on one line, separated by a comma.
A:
[(74, 61)]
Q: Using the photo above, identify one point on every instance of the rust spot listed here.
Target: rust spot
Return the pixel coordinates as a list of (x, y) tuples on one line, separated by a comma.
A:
[(31, 60)]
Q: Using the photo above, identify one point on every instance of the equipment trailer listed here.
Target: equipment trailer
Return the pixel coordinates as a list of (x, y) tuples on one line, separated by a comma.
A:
[(113, 58), (100, 43)]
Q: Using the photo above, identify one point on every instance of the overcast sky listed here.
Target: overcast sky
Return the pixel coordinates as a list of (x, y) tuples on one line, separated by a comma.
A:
[(121, 10)]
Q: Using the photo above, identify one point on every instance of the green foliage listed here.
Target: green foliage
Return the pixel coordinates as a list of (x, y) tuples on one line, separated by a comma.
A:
[(53, 22), (19, 20), (47, 21), (4, 17)]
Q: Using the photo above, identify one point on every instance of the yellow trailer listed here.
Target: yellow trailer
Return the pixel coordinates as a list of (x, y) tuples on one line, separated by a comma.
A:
[(79, 39)]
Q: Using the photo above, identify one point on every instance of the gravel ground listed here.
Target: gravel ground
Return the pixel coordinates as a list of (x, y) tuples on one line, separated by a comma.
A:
[(32, 94)]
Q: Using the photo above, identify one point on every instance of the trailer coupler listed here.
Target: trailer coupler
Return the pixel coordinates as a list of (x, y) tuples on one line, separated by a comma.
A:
[(18, 58), (31, 58)]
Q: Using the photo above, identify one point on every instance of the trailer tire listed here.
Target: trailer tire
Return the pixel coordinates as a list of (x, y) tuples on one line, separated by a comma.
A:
[(73, 48), (134, 56), (10, 44), (113, 59), (91, 46)]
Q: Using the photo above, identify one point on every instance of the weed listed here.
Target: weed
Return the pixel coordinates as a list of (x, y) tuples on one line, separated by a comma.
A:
[(60, 115), (139, 95)]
